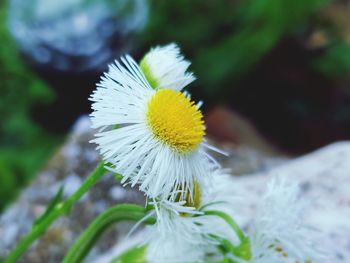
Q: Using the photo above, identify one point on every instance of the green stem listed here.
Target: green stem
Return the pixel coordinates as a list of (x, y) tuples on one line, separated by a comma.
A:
[(111, 216), (230, 221), (60, 209), (243, 250)]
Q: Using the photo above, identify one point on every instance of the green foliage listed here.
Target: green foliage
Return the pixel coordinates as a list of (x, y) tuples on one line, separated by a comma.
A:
[(23, 145), (336, 60), (54, 211), (225, 38), (230, 221), (135, 254), (53, 203), (111, 216)]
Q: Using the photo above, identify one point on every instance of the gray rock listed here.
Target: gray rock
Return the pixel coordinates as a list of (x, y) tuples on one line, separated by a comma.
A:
[(73, 162), (324, 176)]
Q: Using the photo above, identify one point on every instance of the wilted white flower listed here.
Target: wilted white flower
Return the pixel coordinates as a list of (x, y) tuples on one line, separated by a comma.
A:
[(165, 67), (279, 234), (152, 137), (184, 233), (185, 242)]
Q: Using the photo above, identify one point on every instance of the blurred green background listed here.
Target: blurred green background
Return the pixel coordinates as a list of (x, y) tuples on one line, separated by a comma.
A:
[(24, 145), (283, 64)]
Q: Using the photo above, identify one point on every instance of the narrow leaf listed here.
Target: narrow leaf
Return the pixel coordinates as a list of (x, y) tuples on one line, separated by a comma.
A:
[(111, 216), (54, 201)]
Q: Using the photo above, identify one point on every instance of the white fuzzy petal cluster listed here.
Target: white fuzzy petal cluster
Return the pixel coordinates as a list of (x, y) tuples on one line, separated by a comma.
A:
[(168, 67), (192, 233), (169, 177), (121, 98), (278, 234)]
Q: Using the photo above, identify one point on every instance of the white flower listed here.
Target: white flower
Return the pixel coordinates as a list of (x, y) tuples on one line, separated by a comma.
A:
[(152, 137), (185, 242), (165, 67), (171, 250), (190, 230), (278, 234)]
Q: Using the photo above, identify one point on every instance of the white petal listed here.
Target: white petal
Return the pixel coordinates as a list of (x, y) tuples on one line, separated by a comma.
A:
[(168, 67)]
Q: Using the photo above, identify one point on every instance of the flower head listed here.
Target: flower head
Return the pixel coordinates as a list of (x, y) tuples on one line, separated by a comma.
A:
[(279, 234), (175, 120), (152, 137), (189, 229), (165, 67), (173, 250)]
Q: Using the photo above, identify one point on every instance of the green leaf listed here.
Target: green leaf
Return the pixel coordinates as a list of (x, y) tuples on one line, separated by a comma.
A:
[(111, 216), (135, 255), (59, 210), (229, 220), (225, 245), (335, 61), (242, 251), (54, 201), (118, 177)]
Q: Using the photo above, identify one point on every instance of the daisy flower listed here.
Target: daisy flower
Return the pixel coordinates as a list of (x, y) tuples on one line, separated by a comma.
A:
[(171, 246), (278, 234), (153, 137), (186, 226), (166, 67)]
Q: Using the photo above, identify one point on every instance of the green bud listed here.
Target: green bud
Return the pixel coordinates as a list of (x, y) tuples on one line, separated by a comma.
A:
[(148, 73)]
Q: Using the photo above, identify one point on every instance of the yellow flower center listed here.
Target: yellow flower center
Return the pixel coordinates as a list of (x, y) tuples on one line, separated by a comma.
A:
[(175, 120), (193, 200)]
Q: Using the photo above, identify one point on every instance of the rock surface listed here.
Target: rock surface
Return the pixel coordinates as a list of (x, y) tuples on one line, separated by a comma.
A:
[(324, 176), (73, 162)]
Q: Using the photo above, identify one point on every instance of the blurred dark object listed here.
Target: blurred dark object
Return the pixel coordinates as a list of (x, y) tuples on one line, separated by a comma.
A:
[(230, 129), (300, 89), (292, 103), (75, 35), (69, 43)]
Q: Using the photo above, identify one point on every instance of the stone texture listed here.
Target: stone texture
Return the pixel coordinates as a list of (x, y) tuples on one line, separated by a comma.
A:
[(72, 163), (324, 177)]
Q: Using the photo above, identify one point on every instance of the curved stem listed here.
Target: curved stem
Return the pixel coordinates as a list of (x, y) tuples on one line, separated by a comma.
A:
[(230, 221), (111, 216), (60, 209)]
